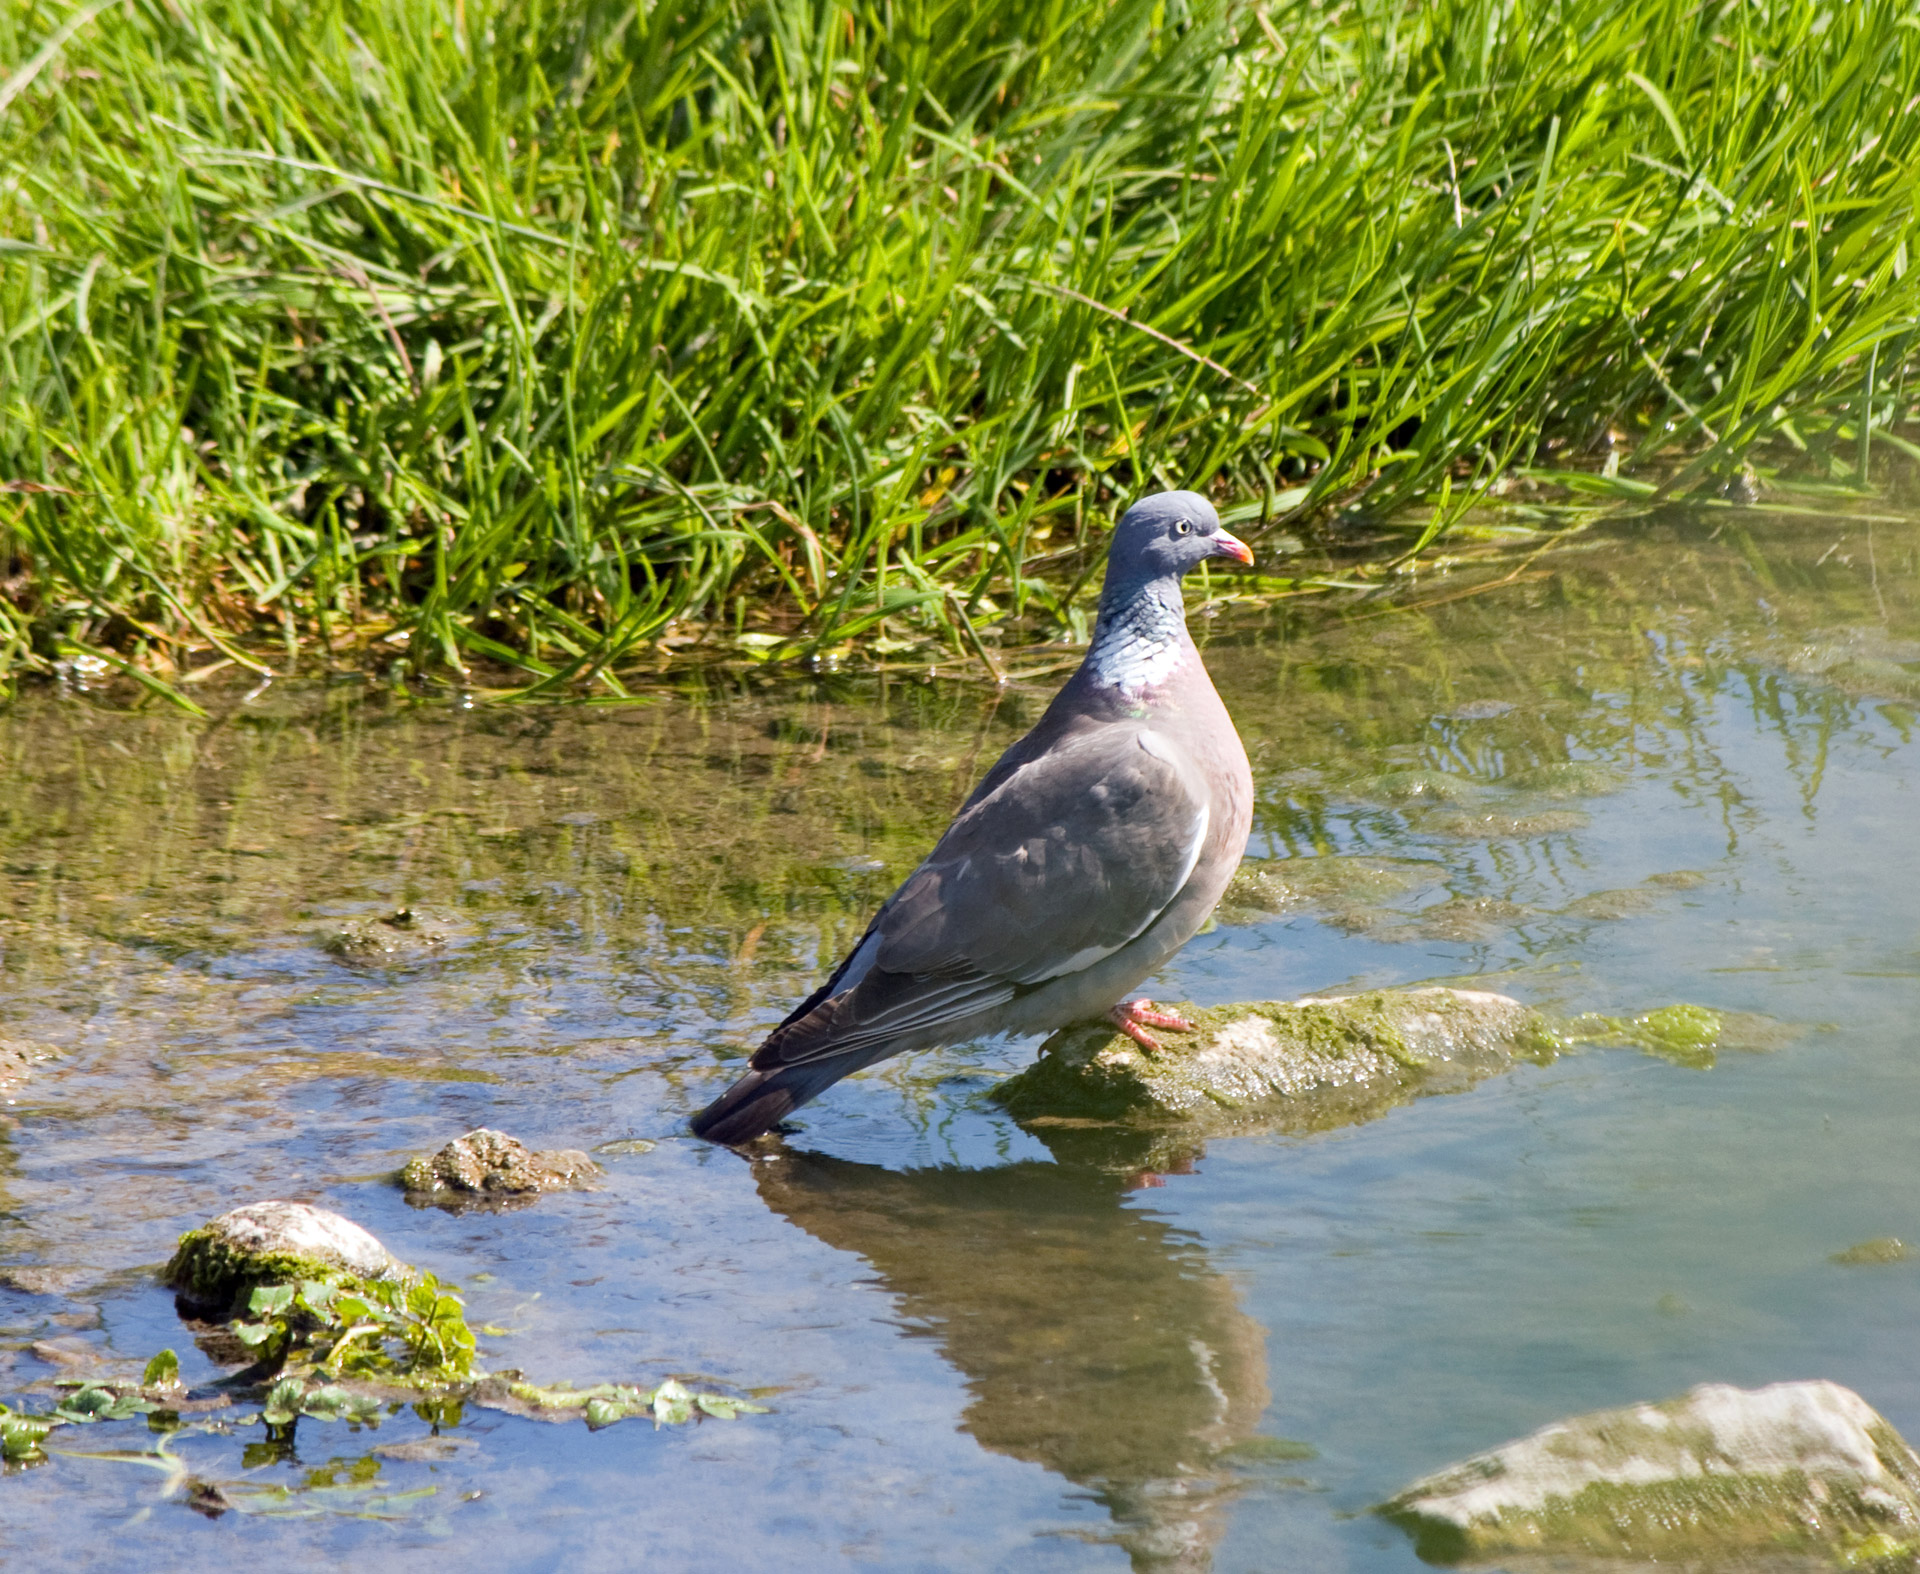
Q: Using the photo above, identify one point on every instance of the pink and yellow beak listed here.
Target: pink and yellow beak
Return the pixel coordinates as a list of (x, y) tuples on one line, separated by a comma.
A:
[(1227, 544)]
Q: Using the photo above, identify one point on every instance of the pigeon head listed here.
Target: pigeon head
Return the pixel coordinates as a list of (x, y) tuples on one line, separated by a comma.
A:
[(1140, 638), (1163, 536)]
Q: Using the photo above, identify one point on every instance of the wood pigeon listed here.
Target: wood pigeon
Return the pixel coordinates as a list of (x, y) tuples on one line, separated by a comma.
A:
[(1088, 855)]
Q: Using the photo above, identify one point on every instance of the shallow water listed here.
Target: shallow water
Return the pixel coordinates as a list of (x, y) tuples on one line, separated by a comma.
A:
[(978, 1353)]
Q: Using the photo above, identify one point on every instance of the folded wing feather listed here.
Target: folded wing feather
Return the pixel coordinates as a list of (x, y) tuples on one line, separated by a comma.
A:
[(1065, 861)]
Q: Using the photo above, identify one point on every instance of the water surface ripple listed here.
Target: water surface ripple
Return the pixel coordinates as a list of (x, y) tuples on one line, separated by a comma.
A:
[(1674, 767)]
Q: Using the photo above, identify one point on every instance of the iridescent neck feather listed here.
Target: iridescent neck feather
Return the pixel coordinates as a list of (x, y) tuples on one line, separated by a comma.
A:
[(1140, 637)]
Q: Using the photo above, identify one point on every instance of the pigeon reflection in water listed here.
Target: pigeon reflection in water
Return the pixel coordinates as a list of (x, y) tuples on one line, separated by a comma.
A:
[(1095, 1339)]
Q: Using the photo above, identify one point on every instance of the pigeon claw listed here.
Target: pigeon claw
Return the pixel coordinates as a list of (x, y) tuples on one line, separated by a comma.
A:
[(1134, 1017)]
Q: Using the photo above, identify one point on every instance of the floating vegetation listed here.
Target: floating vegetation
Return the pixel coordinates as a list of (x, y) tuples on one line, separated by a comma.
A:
[(1686, 1035), (84, 1401), (671, 1403), (1883, 1249), (411, 1329)]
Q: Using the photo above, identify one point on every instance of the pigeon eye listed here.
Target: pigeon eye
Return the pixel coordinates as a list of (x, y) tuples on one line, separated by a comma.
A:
[(1183, 527)]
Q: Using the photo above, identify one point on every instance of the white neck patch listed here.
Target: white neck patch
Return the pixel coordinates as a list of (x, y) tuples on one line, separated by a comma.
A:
[(1141, 644)]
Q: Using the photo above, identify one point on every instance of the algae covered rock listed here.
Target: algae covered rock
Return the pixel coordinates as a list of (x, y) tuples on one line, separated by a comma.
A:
[(1806, 1471), (1301, 1064), (1334, 883), (409, 934), (490, 1164), (219, 1265), (18, 1057)]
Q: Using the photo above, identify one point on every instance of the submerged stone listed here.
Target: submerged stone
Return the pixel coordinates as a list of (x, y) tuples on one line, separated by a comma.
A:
[(1465, 918), (219, 1265), (1303, 1064), (1423, 786), (405, 935), (1678, 879), (1884, 1249), (1568, 779), (1493, 827), (1709, 1480), (1268, 887), (490, 1164), (1609, 906), (1686, 1035), (18, 1057)]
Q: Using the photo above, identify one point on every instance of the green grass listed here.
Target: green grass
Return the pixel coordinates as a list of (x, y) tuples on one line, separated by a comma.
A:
[(536, 333)]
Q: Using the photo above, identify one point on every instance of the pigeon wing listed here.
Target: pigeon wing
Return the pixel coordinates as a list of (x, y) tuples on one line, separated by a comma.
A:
[(1066, 859)]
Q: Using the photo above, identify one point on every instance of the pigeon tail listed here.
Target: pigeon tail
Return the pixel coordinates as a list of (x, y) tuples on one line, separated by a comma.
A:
[(760, 1100)]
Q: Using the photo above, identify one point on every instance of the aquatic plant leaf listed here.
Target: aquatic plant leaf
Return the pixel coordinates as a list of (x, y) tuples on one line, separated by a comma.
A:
[(163, 1371), (21, 1436), (604, 1412), (672, 1404), (331, 1403), (721, 1408), (283, 1401), (92, 1402), (269, 1299)]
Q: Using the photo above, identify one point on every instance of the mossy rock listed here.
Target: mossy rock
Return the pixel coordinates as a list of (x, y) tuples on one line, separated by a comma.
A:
[(1423, 786), (218, 1266), (1281, 1065), (1568, 779), (409, 934), (1267, 887), (489, 1166), (1806, 1472), (18, 1057)]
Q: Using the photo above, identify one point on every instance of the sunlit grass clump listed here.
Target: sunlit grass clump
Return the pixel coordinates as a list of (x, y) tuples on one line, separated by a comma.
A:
[(520, 331)]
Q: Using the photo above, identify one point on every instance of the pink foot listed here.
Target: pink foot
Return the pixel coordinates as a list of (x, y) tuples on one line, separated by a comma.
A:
[(1134, 1017)]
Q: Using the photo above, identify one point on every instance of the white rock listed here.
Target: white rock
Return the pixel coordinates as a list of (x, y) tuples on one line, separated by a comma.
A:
[(298, 1229), (1795, 1462)]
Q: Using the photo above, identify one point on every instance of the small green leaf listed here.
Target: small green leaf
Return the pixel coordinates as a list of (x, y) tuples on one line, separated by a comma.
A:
[(86, 1404), (163, 1371), (722, 1408), (253, 1335), (268, 1299), (604, 1412), (283, 1401), (672, 1404), (21, 1436)]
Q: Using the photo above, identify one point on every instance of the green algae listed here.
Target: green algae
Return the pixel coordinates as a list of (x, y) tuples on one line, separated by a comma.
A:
[(1686, 1035), (1568, 779), (344, 1346), (1711, 1520), (1610, 906), (1269, 887), (1498, 825), (1422, 786), (213, 1273)]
